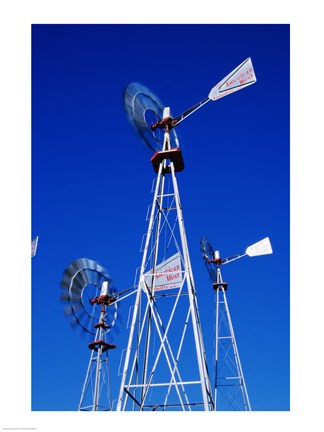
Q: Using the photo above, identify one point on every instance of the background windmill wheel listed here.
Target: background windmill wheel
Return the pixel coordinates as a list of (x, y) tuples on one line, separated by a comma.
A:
[(83, 283), (208, 257)]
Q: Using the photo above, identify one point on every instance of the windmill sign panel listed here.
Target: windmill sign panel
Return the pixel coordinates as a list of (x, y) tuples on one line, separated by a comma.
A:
[(168, 275)]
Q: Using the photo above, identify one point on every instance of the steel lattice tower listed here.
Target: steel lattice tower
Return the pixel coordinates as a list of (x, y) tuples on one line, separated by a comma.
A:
[(230, 393), (230, 388), (164, 366), (92, 306)]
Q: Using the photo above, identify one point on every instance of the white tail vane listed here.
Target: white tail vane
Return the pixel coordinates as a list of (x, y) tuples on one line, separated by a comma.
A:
[(238, 79), (263, 247)]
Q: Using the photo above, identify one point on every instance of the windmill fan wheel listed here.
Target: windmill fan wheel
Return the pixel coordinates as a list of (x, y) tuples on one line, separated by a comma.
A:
[(83, 284)]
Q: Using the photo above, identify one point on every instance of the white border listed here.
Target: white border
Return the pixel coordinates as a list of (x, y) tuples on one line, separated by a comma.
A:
[(306, 198)]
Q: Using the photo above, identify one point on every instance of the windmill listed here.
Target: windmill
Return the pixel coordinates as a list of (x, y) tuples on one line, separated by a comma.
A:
[(230, 391), (92, 305), (164, 364)]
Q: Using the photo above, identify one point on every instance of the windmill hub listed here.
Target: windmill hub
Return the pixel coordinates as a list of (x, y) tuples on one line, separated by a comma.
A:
[(103, 299), (167, 123), (217, 261)]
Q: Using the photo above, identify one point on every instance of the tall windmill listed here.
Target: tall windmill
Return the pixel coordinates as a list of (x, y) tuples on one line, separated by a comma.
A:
[(230, 391), (164, 363)]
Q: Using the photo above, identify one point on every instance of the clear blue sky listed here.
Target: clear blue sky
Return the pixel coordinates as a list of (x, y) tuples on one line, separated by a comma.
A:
[(91, 182)]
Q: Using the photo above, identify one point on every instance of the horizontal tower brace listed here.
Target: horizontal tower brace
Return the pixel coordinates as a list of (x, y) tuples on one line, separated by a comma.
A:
[(162, 384)]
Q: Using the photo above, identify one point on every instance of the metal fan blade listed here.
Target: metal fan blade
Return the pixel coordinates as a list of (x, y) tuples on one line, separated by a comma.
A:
[(66, 296), (79, 280), (69, 275), (86, 263), (90, 264), (76, 290), (74, 267), (102, 271), (84, 323), (74, 284), (206, 248), (92, 277)]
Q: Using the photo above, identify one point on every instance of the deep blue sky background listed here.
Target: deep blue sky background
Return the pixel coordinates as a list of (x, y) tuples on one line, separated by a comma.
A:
[(91, 182)]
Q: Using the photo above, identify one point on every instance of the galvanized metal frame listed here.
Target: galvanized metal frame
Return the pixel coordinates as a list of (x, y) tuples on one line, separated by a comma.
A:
[(135, 388), (236, 381)]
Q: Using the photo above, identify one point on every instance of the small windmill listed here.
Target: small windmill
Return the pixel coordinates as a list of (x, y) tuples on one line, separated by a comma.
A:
[(92, 305), (230, 392)]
